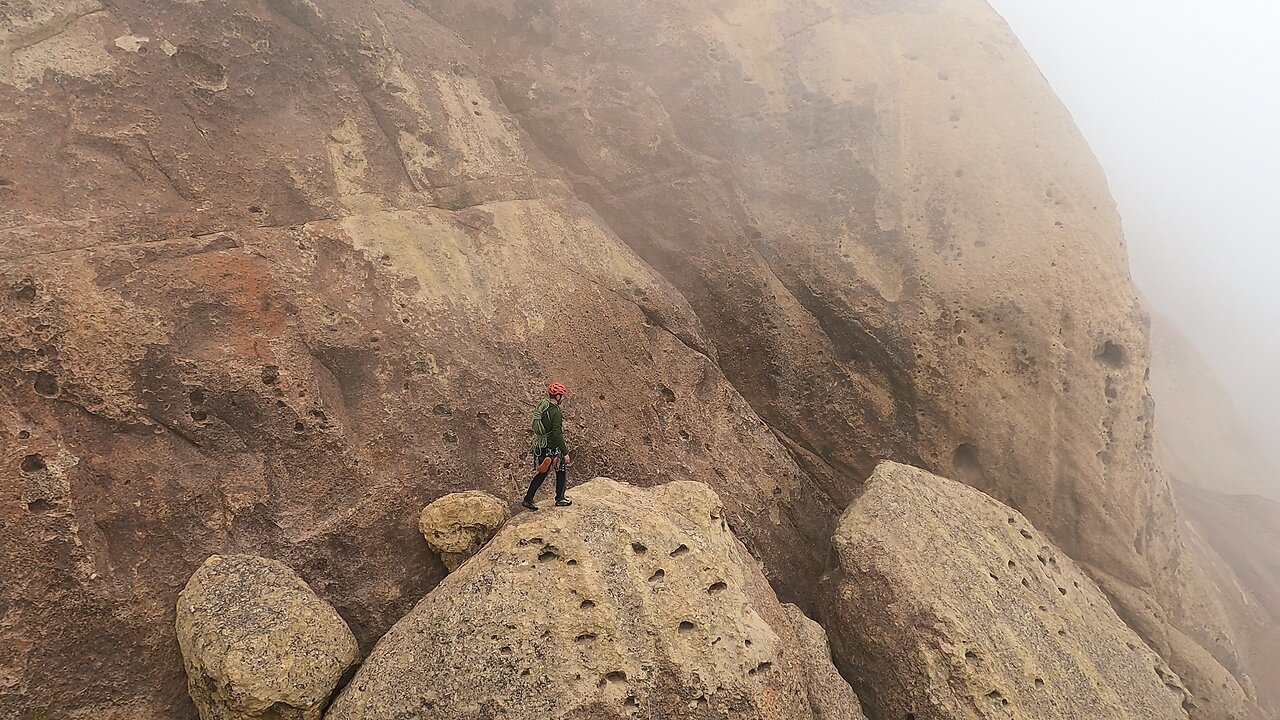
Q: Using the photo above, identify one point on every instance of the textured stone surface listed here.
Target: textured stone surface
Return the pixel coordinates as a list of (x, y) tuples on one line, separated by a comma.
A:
[(631, 603), (276, 275), (945, 604), (257, 642), (457, 525)]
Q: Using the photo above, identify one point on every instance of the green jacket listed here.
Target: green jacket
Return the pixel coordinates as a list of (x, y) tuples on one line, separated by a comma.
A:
[(553, 421)]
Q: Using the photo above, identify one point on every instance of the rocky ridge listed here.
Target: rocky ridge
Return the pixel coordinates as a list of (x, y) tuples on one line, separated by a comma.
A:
[(631, 603), (272, 281)]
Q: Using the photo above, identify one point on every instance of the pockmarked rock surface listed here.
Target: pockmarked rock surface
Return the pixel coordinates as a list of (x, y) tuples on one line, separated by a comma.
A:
[(268, 271), (631, 604), (944, 604), (258, 644), (457, 525)]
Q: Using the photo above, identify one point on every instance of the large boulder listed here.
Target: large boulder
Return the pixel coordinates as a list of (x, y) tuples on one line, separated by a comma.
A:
[(457, 525), (257, 643), (944, 604), (631, 603)]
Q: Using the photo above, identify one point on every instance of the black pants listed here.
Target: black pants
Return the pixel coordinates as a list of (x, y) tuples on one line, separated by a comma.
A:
[(561, 478)]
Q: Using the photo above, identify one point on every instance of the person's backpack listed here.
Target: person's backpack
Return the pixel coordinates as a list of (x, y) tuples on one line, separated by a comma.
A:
[(540, 429)]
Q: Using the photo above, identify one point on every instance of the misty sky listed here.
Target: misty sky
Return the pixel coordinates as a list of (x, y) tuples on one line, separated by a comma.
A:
[(1181, 103)]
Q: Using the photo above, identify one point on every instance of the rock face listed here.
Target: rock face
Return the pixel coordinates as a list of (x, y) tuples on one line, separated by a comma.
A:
[(1226, 489), (631, 603), (945, 604), (457, 525), (257, 642), (275, 275)]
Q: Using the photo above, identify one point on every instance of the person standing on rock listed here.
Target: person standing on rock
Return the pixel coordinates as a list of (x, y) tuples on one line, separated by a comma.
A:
[(549, 451)]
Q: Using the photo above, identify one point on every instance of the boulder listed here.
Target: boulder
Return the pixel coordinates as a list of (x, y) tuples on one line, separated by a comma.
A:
[(942, 604), (456, 526), (257, 643), (631, 603)]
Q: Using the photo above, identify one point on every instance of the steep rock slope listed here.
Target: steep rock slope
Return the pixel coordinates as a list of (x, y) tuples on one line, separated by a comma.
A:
[(898, 243), (1226, 490), (632, 603), (277, 274)]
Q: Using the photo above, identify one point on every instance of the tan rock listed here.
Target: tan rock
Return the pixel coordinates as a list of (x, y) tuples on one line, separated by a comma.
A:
[(257, 643), (456, 526), (944, 604), (630, 604)]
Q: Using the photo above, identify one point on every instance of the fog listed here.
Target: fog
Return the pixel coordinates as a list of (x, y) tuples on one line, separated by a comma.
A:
[(1181, 102)]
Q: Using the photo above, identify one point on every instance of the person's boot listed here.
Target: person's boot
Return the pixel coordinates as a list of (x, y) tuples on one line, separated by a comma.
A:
[(528, 504), (563, 502)]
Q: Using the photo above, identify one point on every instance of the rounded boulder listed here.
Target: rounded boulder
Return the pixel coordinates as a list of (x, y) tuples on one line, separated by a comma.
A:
[(456, 526), (258, 643)]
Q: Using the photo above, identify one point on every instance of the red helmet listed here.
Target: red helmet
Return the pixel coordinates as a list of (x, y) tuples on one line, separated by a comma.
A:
[(556, 388)]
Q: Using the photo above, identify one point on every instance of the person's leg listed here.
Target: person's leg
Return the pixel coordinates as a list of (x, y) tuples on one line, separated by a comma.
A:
[(536, 482), (561, 481)]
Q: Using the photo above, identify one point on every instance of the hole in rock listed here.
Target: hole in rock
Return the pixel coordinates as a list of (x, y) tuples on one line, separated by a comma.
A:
[(548, 555), (585, 638), (39, 507), (639, 548), (587, 605), (1111, 354), (46, 385), (686, 626), (270, 375), (196, 396), (24, 435), (658, 575), (762, 667), (668, 394), (1039, 683), (33, 464), (717, 588), (199, 416), (967, 464), (683, 549), (1025, 534)]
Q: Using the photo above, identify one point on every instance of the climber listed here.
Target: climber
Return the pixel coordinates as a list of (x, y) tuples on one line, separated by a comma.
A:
[(549, 451)]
